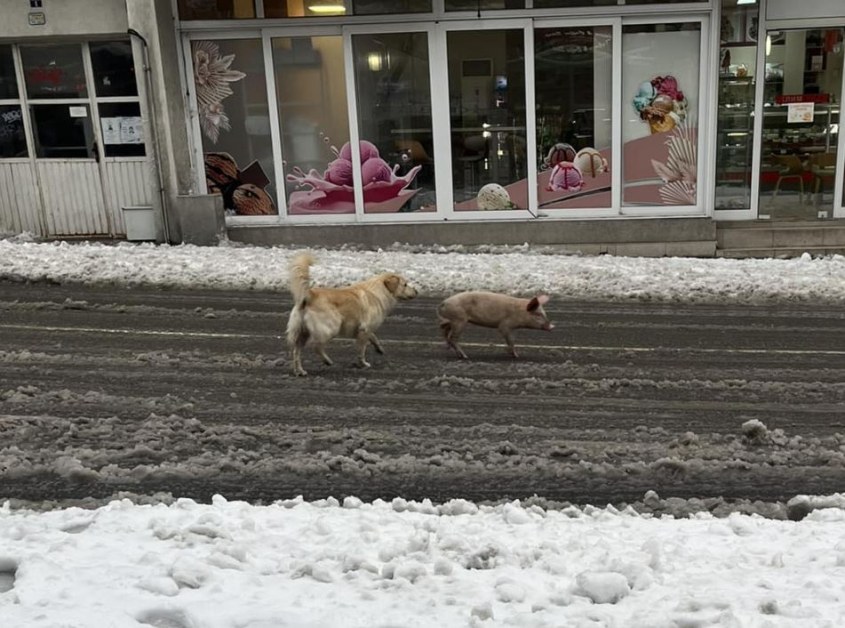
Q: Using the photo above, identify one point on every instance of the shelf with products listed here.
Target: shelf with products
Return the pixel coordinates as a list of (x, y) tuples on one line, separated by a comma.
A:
[(735, 128)]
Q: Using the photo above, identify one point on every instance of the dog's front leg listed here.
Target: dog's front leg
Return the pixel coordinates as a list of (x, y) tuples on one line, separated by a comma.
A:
[(374, 341), (361, 342)]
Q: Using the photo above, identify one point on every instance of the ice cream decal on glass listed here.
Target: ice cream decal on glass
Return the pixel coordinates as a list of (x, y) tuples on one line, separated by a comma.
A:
[(571, 169), (333, 190), (660, 103)]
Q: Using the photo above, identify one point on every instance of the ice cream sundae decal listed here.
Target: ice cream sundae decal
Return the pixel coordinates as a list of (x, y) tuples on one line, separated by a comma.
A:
[(660, 103), (212, 75), (679, 172), (570, 169), (494, 196), (242, 190), (333, 190)]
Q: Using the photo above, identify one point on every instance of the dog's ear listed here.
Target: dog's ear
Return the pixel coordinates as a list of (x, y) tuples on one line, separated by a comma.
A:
[(391, 282)]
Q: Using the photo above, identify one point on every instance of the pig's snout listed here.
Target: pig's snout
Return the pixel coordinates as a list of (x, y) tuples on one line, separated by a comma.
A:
[(548, 326)]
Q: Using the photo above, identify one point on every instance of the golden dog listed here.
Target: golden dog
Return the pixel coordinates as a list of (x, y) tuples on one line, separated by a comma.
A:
[(356, 311)]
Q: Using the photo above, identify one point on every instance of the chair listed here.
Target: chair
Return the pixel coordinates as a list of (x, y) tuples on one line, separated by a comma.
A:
[(822, 165), (792, 168), (476, 150)]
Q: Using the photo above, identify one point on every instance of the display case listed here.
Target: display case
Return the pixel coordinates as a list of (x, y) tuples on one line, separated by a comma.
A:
[(734, 141)]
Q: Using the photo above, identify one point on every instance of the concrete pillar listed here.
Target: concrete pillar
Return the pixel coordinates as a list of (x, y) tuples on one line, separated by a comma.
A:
[(186, 218)]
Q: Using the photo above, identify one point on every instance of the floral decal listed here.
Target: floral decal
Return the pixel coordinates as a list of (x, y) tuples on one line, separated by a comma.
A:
[(661, 103), (212, 75), (679, 172), (333, 190)]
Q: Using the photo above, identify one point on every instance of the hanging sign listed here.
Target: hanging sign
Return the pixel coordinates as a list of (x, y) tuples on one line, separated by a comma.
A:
[(77, 111), (785, 99), (799, 112)]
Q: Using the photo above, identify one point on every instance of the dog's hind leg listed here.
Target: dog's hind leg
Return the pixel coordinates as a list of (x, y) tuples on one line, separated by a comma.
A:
[(376, 344), (296, 360), (321, 351)]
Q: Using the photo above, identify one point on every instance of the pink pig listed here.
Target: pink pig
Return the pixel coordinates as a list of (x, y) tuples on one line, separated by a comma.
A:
[(489, 309)]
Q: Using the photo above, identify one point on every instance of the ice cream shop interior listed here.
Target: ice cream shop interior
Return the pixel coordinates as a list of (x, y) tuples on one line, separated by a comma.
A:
[(477, 114)]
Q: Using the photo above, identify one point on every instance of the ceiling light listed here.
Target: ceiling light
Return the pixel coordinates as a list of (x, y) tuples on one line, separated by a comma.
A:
[(746, 1), (327, 8)]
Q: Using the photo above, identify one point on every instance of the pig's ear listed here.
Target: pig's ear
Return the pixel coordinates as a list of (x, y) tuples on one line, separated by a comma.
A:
[(535, 302)]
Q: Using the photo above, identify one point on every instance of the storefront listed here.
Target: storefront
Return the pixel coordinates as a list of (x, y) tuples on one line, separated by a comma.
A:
[(430, 112), (778, 146), (464, 111)]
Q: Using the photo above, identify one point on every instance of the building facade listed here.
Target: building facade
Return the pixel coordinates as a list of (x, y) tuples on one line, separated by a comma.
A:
[(266, 118)]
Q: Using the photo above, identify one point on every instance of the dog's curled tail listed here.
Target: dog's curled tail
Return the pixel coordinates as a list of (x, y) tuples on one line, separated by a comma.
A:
[(300, 277)]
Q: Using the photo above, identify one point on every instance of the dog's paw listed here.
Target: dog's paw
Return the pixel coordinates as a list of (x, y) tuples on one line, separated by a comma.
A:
[(363, 364)]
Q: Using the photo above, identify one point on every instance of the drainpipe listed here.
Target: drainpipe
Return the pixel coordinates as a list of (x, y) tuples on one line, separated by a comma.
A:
[(154, 156)]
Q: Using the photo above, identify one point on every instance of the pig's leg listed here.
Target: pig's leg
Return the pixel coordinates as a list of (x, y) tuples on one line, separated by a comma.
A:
[(506, 333), (452, 331), (374, 341), (361, 342)]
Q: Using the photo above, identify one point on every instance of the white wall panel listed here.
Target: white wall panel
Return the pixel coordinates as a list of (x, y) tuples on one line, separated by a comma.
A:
[(790, 9), (128, 182), (20, 205), (73, 197)]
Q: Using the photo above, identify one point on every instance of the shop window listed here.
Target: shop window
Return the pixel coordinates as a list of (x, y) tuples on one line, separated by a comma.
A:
[(121, 129), (8, 81), (660, 85), (802, 96), (63, 131), (114, 70), (737, 86), (573, 70), (54, 71), (483, 5), (487, 113), (312, 100), (12, 137), (394, 119), (328, 8), (216, 9), (558, 4), (234, 119)]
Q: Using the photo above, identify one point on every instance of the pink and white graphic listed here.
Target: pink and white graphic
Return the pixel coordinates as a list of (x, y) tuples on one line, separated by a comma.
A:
[(566, 177), (332, 192)]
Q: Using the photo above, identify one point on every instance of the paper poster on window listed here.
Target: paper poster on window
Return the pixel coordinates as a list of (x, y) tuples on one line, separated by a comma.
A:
[(122, 130), (799, 112), (131, 131)]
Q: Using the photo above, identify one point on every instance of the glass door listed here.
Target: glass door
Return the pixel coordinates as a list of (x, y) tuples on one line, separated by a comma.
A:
[(801, 100), (573, 87), (661, 100), (487, 115)]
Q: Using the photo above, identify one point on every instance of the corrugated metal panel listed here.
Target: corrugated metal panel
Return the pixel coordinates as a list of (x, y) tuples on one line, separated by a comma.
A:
[(128, 182), (20, 205), (72, 197)]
